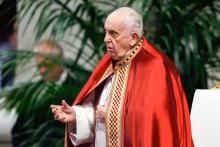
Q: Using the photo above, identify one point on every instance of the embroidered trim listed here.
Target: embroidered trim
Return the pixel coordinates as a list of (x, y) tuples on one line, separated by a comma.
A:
[(122, 63), (117, 96), (115, 106), (130, 55)]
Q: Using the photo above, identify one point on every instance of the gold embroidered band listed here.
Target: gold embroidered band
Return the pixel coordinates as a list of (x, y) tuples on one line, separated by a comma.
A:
[(117, 96)]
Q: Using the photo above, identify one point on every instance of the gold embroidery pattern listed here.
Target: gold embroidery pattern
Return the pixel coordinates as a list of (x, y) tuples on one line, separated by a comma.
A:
[(130, 55), (122, 63), (115, 106)]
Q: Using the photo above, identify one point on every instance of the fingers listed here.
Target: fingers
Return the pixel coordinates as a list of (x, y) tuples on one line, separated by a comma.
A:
[(64, 104), (62, 112), (58, 117), (66, 108), (54, 108)]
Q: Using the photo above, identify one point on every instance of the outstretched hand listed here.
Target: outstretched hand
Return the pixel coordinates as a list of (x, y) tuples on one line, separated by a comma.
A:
[(63, 113)]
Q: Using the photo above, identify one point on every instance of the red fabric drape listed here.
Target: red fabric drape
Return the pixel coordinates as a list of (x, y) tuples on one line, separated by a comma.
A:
[(156, 112)]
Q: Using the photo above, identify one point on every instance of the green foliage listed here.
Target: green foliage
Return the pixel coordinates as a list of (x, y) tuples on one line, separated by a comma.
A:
[(187, 31)]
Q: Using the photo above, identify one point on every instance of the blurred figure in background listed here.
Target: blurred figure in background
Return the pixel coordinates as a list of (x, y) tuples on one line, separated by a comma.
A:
[(47, 68), (8, 41), (46, 53)]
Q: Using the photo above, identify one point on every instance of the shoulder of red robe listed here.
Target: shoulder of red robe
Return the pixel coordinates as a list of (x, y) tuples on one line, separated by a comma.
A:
[(159, 54), (94, 78)]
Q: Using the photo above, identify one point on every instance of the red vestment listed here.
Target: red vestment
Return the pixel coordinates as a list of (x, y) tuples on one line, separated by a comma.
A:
[(154, 110)]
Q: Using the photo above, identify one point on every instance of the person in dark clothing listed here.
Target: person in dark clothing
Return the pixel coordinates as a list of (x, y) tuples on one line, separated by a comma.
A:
[(8, 32), (52, 74)]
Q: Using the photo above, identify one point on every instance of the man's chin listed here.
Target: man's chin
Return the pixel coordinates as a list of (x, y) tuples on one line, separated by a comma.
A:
[(115, 58)]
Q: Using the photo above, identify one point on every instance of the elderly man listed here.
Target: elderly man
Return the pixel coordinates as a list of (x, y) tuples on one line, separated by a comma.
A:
[(49, 72), (47, 68), (134, 98)]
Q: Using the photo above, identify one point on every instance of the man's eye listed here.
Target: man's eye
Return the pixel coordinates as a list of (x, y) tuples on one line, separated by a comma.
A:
[(113, 33)]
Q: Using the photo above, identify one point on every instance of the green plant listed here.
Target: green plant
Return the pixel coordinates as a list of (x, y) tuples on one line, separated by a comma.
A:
[(187, 31)]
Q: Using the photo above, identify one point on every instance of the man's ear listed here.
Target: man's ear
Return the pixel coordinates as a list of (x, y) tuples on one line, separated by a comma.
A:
[(134, 39)]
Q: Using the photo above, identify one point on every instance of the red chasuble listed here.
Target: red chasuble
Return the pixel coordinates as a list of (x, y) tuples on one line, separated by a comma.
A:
[(147, 104)]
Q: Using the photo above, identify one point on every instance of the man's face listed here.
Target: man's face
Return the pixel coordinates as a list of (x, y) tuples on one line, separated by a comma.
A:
[(47, 68), (117, 37)]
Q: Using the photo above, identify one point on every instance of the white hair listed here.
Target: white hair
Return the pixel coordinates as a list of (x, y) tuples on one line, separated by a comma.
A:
[(133, 21), (49, 47)]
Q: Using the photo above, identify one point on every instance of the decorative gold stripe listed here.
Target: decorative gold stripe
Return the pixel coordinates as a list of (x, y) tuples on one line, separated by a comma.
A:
[(120, 64), (129, 56), (117, 96), (115, 107)]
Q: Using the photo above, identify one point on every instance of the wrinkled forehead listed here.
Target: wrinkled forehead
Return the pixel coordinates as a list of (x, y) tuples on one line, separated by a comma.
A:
[(116, 16)]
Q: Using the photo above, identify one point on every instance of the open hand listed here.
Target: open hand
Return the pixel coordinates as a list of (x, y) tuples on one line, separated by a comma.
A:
[(63, 113)]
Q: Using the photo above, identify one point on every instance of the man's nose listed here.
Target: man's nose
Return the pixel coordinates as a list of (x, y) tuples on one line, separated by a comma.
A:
[(107, 38), (43, 70)]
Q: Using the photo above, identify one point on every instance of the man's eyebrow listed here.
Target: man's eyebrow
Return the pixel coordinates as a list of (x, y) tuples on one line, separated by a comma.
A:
[(111, 30)]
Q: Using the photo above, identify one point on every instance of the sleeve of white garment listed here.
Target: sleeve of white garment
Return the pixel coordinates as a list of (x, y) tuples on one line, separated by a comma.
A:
[(84, 122)]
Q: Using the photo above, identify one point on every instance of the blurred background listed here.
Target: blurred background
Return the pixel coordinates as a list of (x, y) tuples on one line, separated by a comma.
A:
[(65, 37)]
